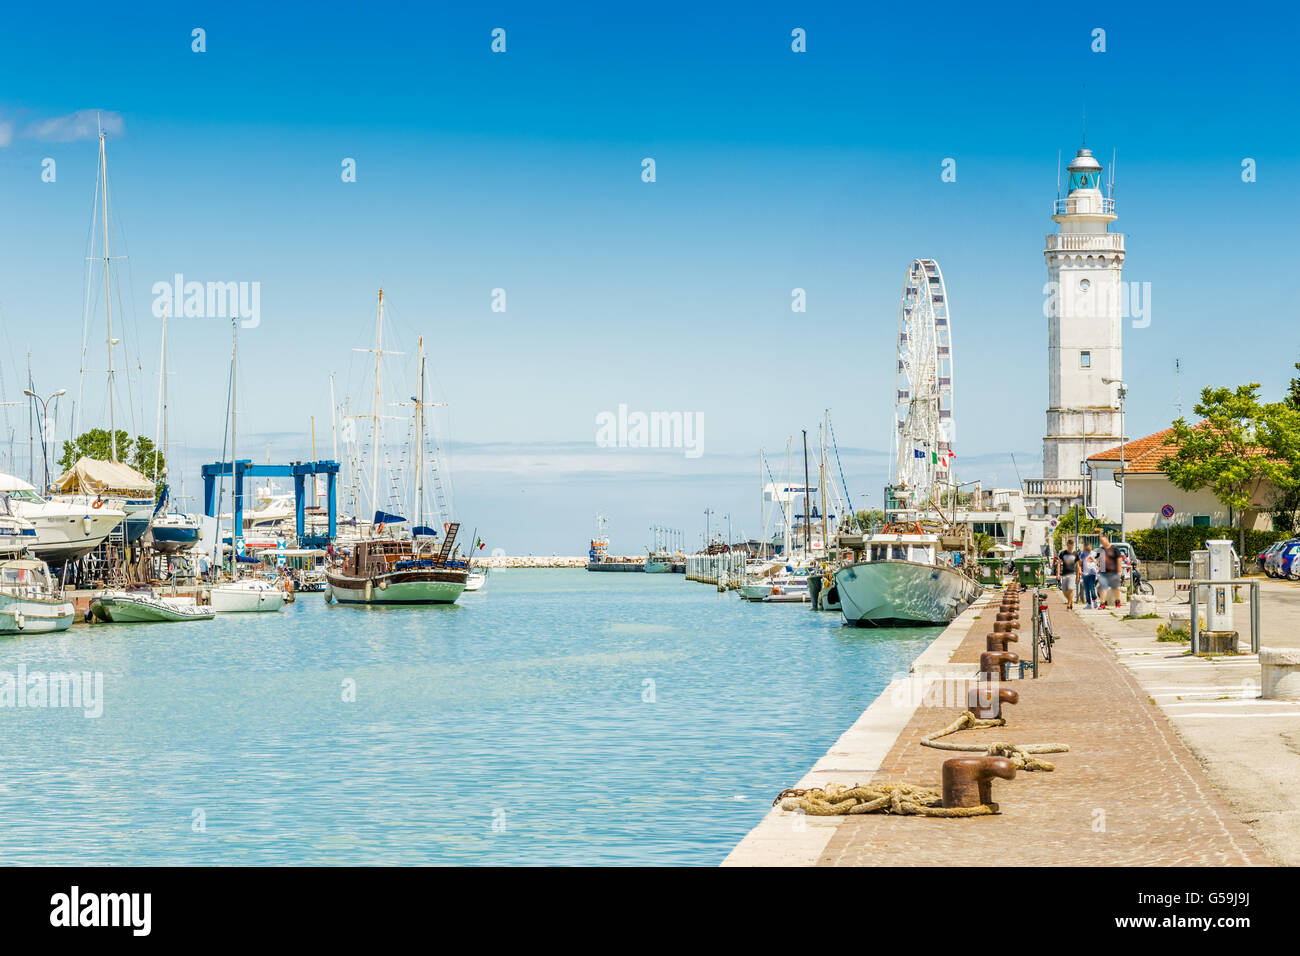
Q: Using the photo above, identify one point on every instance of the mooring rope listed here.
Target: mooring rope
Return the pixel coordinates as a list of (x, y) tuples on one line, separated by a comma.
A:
[(1021, 756), (902, 799)]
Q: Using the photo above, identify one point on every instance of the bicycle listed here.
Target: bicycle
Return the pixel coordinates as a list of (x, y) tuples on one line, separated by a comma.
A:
[(1141, 585), (1045, 637)]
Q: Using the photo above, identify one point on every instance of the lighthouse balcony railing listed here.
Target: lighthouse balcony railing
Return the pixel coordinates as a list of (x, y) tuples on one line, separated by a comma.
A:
[(1085, 242), (1084, 205)]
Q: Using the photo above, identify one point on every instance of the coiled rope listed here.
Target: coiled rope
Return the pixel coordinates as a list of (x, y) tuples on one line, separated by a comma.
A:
[(1022, 756), (902, 799)]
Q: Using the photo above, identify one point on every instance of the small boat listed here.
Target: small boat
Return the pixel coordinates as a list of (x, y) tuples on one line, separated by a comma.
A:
[(142, 605), (476, 580), (29, 601), (786, 587), (902, 580), (250, 594), (174, 531)]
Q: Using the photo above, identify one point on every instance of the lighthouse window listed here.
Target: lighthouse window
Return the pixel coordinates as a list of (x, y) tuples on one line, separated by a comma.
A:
[(1085, 360)]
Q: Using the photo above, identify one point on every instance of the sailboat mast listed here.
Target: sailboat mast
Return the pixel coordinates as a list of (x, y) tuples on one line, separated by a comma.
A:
[(821, 485), (161, 428), (334, 422), (236, 486), (807, 518), (762, 502), (419, 434), (374, 429), (108, 302)]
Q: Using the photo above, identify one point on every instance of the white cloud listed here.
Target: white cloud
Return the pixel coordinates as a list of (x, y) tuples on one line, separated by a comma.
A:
[(81, 125), (6, 134)]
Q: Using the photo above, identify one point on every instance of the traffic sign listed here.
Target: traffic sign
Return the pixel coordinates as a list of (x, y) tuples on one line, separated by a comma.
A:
[(1167, 511)]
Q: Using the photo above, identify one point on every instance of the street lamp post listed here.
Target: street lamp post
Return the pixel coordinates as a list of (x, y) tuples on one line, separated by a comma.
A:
[(708, 539), (44, 403), (1123, 479)]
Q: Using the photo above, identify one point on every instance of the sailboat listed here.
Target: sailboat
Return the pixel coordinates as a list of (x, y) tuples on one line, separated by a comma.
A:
[(91, 482), (391, 567), (172, 531), (250, 594)]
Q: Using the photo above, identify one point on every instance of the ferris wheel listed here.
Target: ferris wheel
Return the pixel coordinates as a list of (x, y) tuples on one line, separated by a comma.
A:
[(923, 406)]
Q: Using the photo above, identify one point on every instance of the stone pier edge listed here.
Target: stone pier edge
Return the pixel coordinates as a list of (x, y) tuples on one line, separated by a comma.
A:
[(784, 840)]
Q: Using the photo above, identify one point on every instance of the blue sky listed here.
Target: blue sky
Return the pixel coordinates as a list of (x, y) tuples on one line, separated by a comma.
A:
[(522, 171)]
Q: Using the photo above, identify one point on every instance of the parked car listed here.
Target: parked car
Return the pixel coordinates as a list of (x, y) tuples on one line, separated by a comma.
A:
[(1273, 565), (1289, 564), (1267, 553)]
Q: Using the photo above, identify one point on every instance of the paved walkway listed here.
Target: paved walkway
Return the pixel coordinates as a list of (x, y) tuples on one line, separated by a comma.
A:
[(1129, 793), (1248, 747)]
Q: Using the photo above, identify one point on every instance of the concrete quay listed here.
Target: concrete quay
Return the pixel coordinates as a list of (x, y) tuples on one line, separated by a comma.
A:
[(1249, 747), (1130, 792)]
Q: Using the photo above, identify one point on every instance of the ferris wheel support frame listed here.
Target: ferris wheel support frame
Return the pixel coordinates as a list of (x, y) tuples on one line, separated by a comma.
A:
[(923, 384)]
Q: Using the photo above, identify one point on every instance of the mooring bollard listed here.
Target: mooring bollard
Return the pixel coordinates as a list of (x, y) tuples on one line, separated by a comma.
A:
[(991, 662), (986, 705), (1004, 627), (997, 640), (968, 781)]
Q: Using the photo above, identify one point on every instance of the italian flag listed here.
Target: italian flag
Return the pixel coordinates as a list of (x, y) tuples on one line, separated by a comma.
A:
[(478, 544)]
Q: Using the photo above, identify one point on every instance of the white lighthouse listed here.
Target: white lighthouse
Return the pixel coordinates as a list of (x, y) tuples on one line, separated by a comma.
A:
[(1084, 267)]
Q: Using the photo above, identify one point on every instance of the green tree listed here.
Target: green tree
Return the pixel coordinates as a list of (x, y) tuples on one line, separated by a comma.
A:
[(137, 452), (1065, 527), (864, 521), (1282, 439), (1229, 451)]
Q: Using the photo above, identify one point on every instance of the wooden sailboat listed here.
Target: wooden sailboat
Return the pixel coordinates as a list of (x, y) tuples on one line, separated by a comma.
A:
[(387, 569)]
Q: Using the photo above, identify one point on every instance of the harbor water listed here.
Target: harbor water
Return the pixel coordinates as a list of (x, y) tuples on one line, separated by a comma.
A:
[(555, 717)]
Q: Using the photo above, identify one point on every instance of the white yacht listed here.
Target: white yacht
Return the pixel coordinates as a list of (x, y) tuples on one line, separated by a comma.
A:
[(65, 529), (901, 577)]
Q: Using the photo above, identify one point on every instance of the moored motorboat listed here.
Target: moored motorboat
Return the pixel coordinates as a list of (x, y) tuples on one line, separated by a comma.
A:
[(477, 578)]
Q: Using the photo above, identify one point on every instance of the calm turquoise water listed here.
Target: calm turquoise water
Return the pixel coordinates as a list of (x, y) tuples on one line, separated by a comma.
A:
[(510, 728)]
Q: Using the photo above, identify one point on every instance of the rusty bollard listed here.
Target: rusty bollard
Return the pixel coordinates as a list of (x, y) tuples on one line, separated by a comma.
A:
[(1006, 617), (991, 662), (997, 641), (1005, 627), (968, 781), (984, 705)]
